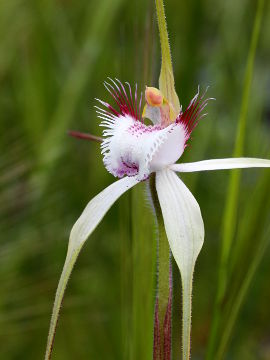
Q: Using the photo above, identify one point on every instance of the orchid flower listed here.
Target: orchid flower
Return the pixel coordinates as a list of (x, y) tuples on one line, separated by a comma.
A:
[(132, 151), (136, 152)]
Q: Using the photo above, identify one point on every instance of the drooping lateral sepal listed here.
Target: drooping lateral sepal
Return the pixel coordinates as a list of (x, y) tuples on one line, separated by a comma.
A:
[(185, 231), (82, 229), (182, 218)]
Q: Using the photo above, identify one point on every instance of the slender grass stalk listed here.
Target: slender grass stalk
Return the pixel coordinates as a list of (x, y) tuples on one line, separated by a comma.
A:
[(143, 275), (126, 274), (230, 213), (254, 228), (227, 332)]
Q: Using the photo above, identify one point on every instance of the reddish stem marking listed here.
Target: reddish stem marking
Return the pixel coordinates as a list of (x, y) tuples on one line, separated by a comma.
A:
[(165, 352)]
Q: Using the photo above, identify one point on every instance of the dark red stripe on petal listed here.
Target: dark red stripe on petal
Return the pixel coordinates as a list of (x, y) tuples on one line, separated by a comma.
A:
[(112, 92), (140, 105), (125, 101), (135, 100), (191, 116), (109, 107), (125, 98)]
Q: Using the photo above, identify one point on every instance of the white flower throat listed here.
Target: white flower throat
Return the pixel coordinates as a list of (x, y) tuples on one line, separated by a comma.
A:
[(134, 149)]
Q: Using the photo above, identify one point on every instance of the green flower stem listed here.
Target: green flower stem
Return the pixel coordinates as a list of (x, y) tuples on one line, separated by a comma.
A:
[(177, 313), (166, 79), (163, 262), (167, 86), (186, 317), (68, 266), (230, 213)]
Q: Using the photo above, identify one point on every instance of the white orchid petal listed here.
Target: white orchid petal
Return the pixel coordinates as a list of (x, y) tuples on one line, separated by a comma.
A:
[(185, 231), (182, 219), (96, 209), (221, 164), (84, 226)]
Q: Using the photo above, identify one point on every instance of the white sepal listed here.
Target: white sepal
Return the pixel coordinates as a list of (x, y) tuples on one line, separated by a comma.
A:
[(182, 219), (82, 229), (185, 231), (221, 164), (95, 211)]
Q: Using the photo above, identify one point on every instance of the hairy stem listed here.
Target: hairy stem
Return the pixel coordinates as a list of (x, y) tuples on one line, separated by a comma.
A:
[(163, 267)]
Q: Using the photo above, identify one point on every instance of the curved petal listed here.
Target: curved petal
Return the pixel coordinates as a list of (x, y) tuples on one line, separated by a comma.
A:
[(185, 230), (182, 219), (221, 164), (96, 209), (82, 229)]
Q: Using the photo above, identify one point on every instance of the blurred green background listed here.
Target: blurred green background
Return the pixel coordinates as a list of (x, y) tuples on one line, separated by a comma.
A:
[(54, 56)]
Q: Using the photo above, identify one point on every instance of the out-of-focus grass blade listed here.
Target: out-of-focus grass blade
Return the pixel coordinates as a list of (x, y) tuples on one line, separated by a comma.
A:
[(252, 223), (14, 17), (242, 293), (248, 256), (126, 277), (52, 145), (143, 254), (230, 212)]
